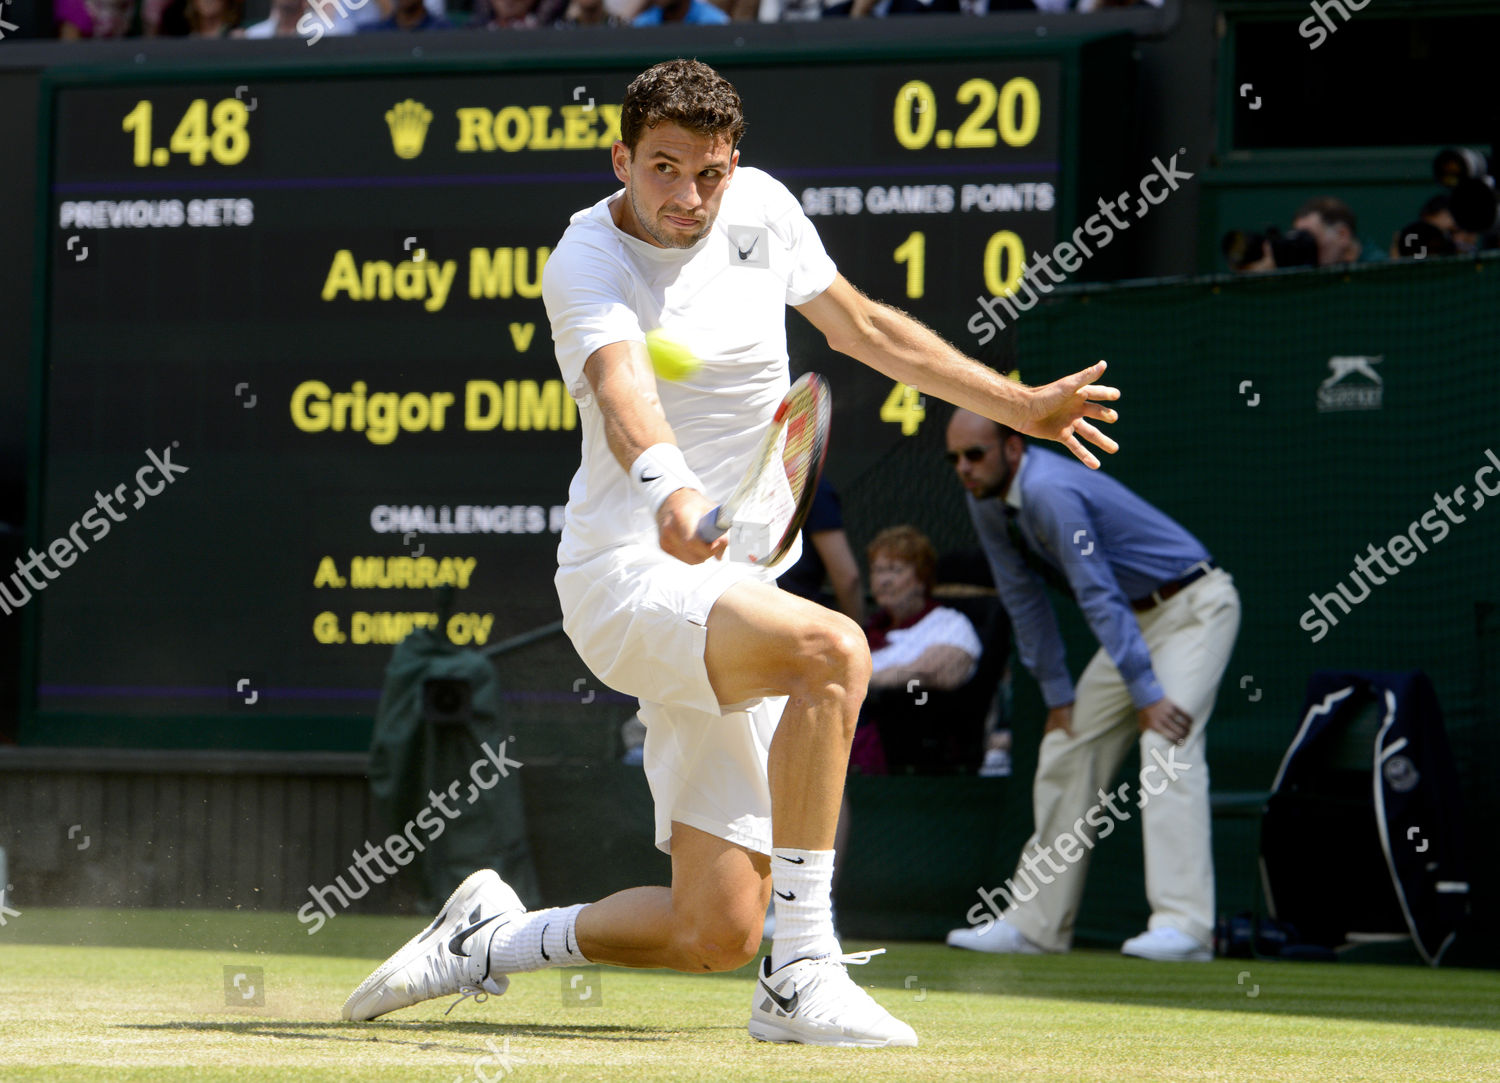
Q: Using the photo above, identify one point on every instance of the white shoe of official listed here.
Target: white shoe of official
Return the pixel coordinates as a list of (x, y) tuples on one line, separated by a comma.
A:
[(451, 955), (815, 1002), (1167, 945), (998, 939)]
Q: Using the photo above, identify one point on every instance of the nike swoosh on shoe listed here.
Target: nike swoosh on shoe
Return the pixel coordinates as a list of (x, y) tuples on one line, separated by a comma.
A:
[(456, 942)]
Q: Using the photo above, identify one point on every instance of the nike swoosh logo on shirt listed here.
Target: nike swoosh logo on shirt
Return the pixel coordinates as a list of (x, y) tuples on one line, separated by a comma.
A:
[(456, 944), (745, 252)]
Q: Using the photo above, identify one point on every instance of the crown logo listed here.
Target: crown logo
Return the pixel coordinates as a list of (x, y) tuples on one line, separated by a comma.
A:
[(408, 121)]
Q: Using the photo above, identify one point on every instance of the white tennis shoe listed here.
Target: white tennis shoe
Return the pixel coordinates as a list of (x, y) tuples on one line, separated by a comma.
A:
[(998, 939), (815, 1002), (1167, 945), (451, 955)]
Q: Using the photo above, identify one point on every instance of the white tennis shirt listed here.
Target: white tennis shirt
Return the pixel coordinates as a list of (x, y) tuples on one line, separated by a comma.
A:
[(724, 298)]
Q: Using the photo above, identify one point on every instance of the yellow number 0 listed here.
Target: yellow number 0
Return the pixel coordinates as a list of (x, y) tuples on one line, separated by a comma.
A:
[(1008, 247), (1019, 131), (915, 97)]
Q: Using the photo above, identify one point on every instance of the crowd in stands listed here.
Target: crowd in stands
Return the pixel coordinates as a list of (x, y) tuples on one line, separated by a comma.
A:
[(1435, 232), (1325, 233), (313, 19)]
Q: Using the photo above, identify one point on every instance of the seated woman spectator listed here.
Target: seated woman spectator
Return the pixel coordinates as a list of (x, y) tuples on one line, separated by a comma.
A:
[(916, 646), (919, 650), (911, 636)]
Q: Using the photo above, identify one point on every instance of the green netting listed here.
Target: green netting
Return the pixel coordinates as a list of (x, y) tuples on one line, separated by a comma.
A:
[(1286, 494)]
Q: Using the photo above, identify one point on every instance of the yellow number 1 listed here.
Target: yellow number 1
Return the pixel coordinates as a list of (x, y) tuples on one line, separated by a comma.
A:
[(138, 120), (913, 253)]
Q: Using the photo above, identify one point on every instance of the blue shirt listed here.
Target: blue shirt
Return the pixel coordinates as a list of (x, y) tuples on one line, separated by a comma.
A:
[(1111, 546), (699, 12), (429, 22)]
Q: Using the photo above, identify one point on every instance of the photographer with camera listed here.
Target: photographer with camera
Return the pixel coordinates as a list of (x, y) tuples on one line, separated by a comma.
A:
[(1334, 228), (1247, 251), (1323, 233), (1432, 233), (1464, 218)]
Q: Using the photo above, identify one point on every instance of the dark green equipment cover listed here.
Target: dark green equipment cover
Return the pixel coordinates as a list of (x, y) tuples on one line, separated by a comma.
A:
[(443, 770)]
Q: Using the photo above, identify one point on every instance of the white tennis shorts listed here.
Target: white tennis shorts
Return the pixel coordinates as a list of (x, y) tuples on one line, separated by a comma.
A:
[(639, 620)]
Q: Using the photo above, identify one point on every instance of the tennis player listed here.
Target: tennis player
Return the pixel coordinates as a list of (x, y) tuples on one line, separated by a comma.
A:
[(749, 693)]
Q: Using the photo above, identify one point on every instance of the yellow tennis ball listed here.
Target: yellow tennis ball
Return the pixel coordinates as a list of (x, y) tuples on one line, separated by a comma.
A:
[(671, 360)]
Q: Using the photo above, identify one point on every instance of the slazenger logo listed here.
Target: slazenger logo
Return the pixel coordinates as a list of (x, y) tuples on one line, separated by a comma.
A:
[(1352, 384)]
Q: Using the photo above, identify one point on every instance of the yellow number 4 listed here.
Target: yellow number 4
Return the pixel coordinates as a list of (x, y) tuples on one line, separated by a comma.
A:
[(904, 407), (191, 137)]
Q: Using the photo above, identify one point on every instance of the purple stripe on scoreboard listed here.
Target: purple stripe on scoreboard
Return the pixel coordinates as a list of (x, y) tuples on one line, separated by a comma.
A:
[(146, 691)]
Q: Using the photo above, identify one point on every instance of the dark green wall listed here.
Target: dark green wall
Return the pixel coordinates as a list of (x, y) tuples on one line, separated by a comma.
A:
[(1286, 495)]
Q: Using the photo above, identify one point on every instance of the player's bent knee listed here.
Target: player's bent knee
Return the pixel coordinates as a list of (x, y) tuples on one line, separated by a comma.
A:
[(722, 945), (834, 653)]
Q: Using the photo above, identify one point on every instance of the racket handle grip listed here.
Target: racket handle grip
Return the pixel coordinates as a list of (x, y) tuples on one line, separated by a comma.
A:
[(709, 529)]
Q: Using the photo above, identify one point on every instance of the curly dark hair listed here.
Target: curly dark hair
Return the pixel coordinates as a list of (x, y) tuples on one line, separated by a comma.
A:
[(687, 93)]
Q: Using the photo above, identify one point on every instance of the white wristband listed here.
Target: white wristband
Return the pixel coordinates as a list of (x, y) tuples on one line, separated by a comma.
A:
[(660, 471)]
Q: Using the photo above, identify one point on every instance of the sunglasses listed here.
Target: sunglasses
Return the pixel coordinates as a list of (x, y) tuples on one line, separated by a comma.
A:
[(971, 454)]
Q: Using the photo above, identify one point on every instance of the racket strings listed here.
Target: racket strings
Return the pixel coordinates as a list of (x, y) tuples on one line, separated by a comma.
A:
[(777, 493), (773, 502), (797, 450), (800, 452)]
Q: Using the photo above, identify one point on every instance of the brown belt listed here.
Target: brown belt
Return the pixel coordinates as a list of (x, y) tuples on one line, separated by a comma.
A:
[(1167, 590)]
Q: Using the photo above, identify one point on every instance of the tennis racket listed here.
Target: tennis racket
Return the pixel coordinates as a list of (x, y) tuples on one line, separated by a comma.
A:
[(769, 506)]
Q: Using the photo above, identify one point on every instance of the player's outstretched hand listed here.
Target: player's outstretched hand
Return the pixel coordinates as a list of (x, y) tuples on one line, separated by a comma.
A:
[(1061, 411), (677, 527)]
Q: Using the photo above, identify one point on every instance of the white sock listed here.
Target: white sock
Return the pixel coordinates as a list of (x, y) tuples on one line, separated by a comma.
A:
[(802, 890), (536, 941)]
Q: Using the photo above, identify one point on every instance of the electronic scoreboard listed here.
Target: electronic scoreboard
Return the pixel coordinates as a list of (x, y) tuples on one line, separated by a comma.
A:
[(295, 371)]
